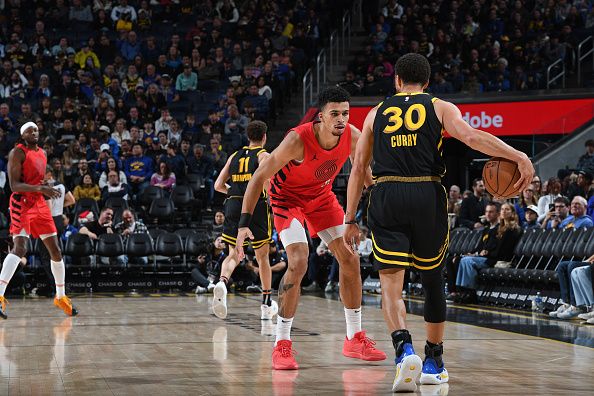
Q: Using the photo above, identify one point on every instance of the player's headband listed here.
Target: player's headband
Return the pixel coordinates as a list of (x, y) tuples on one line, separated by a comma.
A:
[(28, 125)]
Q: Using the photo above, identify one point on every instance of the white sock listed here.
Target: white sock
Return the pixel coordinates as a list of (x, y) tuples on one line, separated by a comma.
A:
[(11, 262), (59, 274), (283, 328), (353, 321)]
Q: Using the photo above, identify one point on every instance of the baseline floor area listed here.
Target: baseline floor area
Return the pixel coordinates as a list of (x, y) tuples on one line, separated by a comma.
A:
[(174, 346)]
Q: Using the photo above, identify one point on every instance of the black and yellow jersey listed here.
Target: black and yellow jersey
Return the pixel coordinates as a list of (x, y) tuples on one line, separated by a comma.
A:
[(244, 163), (408, 137)]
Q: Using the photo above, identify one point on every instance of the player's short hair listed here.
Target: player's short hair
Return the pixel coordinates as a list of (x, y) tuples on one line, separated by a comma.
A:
[(333, 95), (413, 69), (476, 181), (256, 130)]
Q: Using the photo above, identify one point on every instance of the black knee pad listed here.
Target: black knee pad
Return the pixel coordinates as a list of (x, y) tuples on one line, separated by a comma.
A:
[(435, 303)]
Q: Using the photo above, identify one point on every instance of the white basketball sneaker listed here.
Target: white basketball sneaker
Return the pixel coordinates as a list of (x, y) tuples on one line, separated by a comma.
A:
[(569, 313), (408, 369), (219, 301), (268, 312), (432, 373), (561, 309), (587, 315)]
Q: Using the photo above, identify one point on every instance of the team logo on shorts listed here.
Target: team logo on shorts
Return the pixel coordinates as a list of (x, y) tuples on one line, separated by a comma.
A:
[(326, 170)]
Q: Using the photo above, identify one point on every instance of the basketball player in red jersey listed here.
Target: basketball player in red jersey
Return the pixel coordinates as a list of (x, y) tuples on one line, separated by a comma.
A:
[(30, 214), (301, 171)]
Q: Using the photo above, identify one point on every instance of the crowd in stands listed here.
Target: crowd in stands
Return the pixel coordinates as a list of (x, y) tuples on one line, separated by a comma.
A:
[(473, 46), (132, 94)]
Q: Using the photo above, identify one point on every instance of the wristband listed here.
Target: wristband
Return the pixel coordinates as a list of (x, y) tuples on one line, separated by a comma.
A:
[(244, 220), (351, 222)]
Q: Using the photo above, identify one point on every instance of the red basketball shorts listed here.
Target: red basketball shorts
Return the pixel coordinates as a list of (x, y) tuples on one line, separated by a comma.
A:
[(324, 213), (30, 217)]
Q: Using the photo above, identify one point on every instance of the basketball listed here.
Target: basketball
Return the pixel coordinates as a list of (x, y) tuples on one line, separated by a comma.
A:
[(499, 176)]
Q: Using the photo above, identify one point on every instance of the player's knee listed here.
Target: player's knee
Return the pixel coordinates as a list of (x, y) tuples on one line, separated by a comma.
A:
[(348, 260), (298, 258), (56, 256), (19, 251), (298, 270), (262, 257)]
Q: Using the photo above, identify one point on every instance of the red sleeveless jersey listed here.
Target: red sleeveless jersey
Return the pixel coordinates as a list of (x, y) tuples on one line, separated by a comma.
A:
[(33, 170), (300, 182)]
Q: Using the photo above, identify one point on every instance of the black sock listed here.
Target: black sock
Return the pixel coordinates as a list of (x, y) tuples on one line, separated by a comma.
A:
[(267, 297), (399, 338), (224, 280), (435, 351)]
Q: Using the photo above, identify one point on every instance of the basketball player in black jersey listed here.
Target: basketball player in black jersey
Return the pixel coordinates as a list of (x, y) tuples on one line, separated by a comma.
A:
[(407, 210), (238, 171)]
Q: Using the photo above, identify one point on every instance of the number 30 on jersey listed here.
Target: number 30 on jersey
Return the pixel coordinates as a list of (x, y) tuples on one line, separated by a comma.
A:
[(396, 121)]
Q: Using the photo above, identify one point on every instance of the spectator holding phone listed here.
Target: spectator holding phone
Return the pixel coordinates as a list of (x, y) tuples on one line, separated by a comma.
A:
[(556, 214)]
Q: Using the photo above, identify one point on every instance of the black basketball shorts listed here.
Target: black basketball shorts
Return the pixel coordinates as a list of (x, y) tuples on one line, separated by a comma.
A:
[(409, 225), (261, 224)]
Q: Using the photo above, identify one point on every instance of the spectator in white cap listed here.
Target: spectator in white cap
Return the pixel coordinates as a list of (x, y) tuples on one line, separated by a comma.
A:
[(531, 217)]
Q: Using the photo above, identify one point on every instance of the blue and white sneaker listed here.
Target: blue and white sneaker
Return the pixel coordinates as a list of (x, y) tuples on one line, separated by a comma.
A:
[(432, 374), (408, 369)]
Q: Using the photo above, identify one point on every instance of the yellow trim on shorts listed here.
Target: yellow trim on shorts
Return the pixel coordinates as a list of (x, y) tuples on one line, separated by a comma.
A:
[(441, 251), (228, 239), (259, 244), (382, 260), (428, 268), (386, 252)]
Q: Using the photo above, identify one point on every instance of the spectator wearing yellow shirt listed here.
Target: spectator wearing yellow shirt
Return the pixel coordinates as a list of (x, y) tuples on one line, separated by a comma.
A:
[(85, 52), (87, 189)]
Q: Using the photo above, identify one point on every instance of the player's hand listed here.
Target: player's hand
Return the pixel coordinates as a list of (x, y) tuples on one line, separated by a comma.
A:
[(49, 192), (526, 174), (351, 237), (242, 234)]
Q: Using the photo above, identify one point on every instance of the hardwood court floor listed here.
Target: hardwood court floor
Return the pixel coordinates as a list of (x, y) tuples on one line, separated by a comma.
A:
[(174, 346)]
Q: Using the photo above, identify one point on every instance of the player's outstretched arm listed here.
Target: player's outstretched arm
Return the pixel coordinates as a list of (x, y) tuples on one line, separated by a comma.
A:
[(357, 178), (221, 182), (15, 169), (291, 148), (483, 141)]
